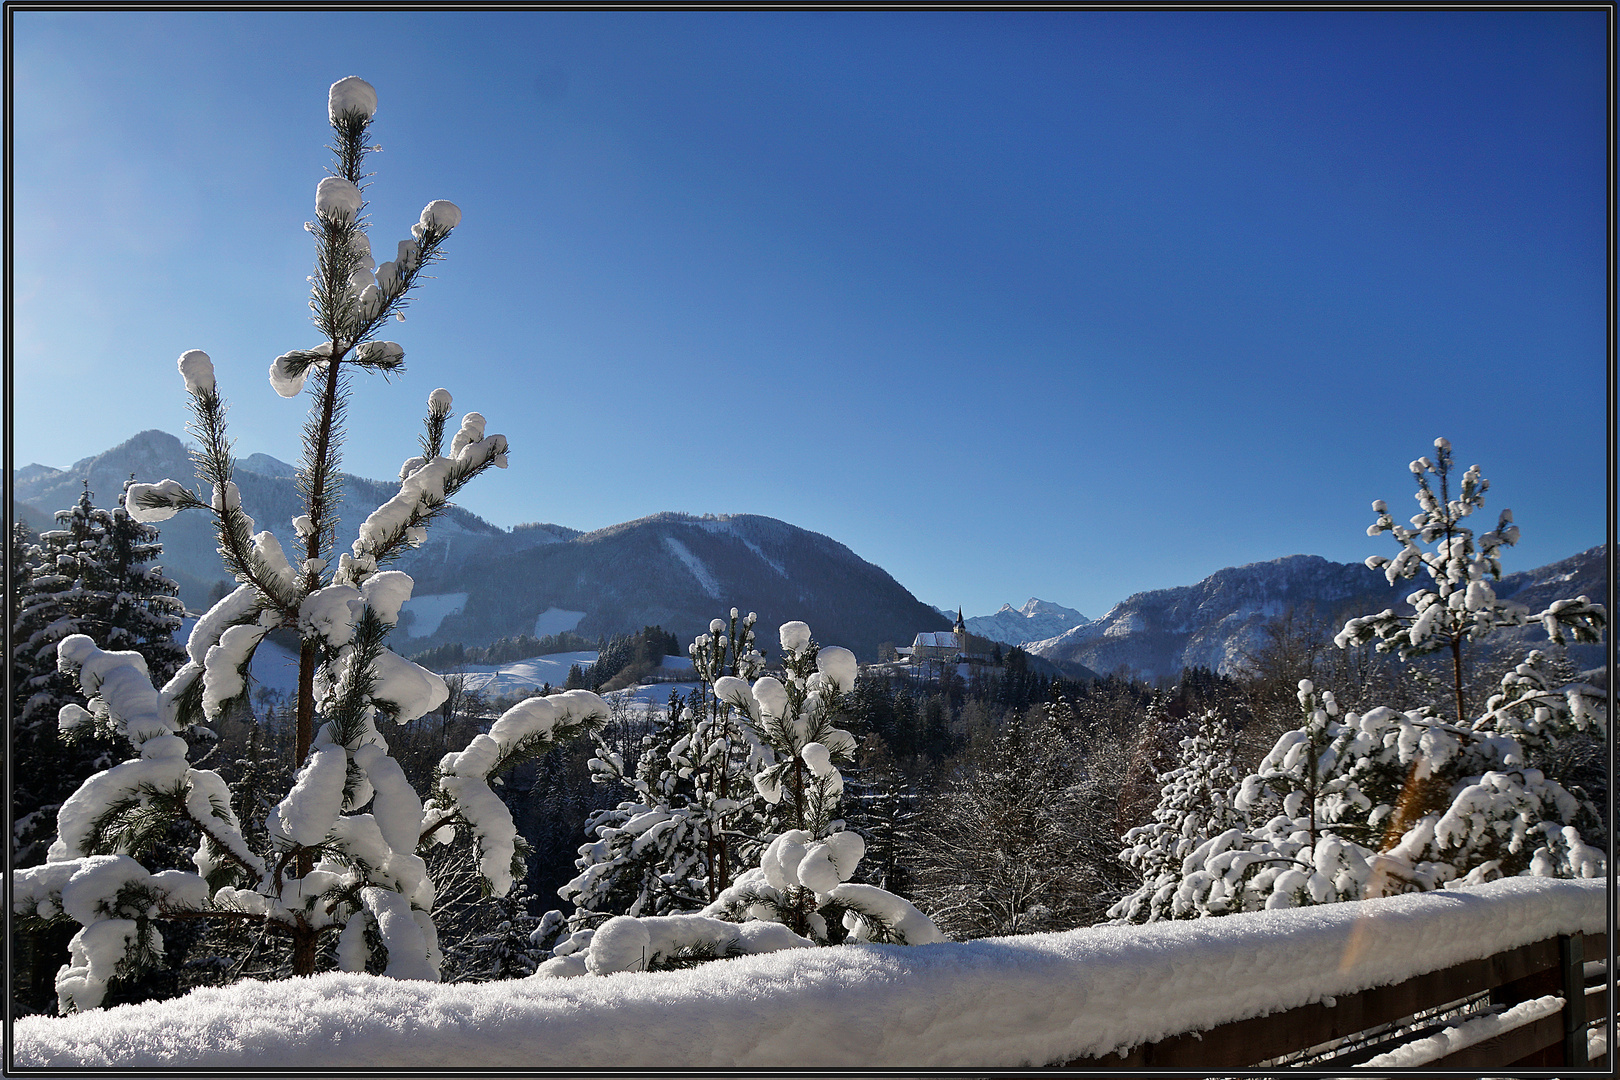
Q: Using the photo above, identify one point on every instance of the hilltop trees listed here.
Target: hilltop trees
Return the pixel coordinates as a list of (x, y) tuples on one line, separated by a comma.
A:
[(339, 878)]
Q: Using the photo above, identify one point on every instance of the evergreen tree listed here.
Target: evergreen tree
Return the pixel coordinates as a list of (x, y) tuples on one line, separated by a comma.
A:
[(801, 892), (88, 577), (330, 879), (1461, 607), (675, 844), (886, 810), (1195, 801), (22, 541)]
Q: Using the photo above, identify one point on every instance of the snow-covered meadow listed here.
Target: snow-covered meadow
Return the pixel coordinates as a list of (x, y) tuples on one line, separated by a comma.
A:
[(999, 1002)]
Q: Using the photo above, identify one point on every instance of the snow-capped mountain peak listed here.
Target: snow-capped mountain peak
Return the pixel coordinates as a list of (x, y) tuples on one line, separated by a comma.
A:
[(1035, 621)]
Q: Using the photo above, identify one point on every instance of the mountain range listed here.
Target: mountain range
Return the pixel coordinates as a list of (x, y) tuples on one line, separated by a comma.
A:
[(1216, 622), (477, 582)]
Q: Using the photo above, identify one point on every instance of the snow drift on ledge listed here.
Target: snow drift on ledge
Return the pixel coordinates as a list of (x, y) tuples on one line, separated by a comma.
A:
[(996, 1002)]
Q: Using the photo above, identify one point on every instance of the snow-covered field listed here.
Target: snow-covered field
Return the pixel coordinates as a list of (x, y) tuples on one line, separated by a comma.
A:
[(521, 676), (429, 611), (555, 621), (999, 1002)]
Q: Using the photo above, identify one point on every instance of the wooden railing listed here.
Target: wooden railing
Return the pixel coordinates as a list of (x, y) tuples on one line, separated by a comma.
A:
[(1356, 1028)]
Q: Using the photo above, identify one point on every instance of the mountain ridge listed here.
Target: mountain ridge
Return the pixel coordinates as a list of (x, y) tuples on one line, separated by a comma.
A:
[(1213, 623), (675, 570)]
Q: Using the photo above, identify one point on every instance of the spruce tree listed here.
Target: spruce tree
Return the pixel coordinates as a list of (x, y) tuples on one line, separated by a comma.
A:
[(340, 872), (885, 808), (22, 541), (1195, 801), (90, 576), (676, 843)]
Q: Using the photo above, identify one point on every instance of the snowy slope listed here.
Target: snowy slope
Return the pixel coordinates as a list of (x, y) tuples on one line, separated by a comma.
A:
[(1037, 620), (992, 1003), (427, 612), (522, 676)]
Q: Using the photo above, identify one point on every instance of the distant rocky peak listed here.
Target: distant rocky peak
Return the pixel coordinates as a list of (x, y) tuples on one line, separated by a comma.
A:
[(1033, 607)]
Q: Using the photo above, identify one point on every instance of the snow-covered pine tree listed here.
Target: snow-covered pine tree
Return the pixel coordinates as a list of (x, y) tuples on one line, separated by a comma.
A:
[(645, 855), (1461, 607), (674, 844), (90, 576), (22, 541), (1350, 805), (333, 877), (1195, 801), (801, 893)]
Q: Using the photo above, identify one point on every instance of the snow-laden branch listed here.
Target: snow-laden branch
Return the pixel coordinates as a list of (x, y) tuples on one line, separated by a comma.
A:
[(462, 794)]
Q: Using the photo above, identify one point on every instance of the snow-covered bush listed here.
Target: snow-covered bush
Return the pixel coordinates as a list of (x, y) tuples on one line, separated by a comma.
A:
[(340, 868), (800, 893), (1350, 805)]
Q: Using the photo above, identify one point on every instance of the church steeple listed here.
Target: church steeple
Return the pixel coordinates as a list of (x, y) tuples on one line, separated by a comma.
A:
[(960, 629)]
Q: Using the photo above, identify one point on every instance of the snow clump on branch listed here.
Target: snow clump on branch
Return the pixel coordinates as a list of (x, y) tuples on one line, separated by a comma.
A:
[(336, 199), (351, 96), (440, 216), (151, 503), (198, 371)]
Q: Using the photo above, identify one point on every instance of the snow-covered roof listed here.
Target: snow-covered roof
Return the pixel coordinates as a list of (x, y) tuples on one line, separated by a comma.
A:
[(997, 1002), (944, 639)]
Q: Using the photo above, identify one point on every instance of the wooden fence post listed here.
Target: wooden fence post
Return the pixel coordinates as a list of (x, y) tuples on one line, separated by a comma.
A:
[(1571, 957)]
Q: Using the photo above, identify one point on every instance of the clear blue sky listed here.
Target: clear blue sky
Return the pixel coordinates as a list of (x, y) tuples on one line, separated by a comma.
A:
[(1067, 304)]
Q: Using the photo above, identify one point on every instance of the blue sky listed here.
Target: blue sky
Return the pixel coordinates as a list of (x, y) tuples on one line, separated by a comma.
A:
[(1066, 304)]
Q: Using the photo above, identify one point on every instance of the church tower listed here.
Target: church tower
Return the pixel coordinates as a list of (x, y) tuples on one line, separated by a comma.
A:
[(960, 630)]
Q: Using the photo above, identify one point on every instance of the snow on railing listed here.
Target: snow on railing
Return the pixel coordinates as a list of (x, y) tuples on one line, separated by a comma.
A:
[(999, 1002)]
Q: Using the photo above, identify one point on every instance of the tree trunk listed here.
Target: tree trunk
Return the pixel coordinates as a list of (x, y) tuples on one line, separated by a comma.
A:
[(305, 938)]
